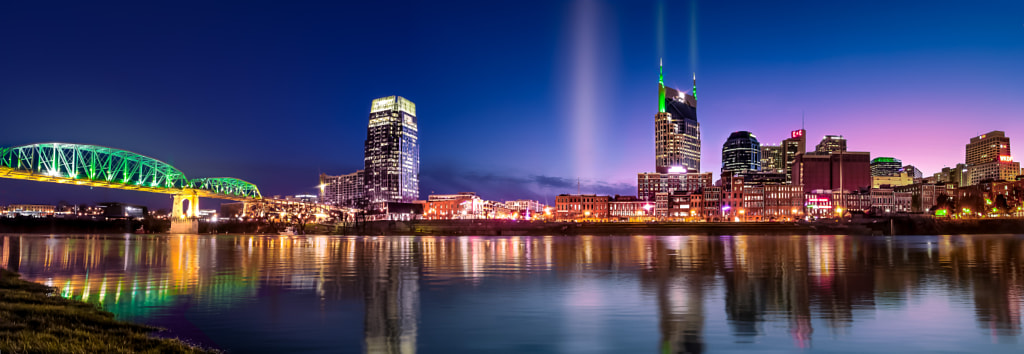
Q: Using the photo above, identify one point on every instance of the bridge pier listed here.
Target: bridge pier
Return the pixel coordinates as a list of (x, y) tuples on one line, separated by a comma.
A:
[(183, 221)]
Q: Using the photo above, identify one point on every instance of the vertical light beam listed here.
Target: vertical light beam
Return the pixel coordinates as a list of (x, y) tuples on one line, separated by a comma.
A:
[(693, 37), (584, 86)]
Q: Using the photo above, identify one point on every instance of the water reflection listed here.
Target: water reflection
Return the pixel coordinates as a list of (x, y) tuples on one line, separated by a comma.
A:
[(781, 293)]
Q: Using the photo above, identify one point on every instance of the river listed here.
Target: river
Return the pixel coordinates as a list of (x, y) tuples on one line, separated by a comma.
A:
[(547, 294)]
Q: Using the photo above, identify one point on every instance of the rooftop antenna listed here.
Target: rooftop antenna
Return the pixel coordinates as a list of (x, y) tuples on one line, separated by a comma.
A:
[(802, 120), (578, 186)]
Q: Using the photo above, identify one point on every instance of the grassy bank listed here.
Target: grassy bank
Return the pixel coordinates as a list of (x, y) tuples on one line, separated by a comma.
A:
[(33, 319)]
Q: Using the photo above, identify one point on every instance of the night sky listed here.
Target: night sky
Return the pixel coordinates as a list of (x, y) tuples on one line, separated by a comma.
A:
[(515, 99)]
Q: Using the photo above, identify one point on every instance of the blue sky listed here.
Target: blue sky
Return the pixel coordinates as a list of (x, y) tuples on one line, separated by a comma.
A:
[(515, 99)]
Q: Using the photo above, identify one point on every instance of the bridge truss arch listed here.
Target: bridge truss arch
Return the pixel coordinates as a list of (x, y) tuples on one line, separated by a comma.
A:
[(227, 186), (100, 166), (93, 163)]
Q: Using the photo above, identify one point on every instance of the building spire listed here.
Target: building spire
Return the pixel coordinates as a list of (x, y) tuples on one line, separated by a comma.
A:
[(695, 86), (661, 71), (661, 85)]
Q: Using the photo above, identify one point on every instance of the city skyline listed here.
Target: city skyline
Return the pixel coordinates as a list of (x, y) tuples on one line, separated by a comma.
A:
[(272, 104)]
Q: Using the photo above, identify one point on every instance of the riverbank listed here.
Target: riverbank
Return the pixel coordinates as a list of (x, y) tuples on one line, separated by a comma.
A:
[(33, 319), (901, 225)]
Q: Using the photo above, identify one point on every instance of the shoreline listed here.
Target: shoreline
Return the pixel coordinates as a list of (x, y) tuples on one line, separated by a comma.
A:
[(884, 226), (891, 226), (37, 320)]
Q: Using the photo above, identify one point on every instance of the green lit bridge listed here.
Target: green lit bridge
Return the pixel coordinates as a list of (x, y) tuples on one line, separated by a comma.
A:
[(99, 166)]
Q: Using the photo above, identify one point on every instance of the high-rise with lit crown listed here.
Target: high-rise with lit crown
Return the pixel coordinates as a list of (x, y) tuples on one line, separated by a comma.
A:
[(676, 130), (741, 153), (392, 152)]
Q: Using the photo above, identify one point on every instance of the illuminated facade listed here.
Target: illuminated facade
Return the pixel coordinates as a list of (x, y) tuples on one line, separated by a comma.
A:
[(676, 130), (885, 166), (993, 146), (740, 153), (994, 171), (791, 148), (571, 207), (392, 152), (830, 144), (346, 190), (629, 208), (650, 184), (525, 208), (772, 158)]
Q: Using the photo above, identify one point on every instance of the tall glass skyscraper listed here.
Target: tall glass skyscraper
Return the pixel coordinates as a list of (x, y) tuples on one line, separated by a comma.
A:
[(676, 130), (741, 153), (392, 152)]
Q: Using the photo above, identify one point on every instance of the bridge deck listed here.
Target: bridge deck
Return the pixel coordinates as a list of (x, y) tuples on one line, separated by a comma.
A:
[(7, 172)]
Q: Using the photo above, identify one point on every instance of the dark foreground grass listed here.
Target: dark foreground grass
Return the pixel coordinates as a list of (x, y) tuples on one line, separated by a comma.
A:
[(34, 320)]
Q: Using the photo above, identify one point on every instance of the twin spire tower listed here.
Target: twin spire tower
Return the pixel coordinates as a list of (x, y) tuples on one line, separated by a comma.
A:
[(676, 130)]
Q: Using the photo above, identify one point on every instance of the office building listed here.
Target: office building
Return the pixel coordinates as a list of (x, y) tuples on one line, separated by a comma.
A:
[(993, 171), (392, 152), (740, 153), (648, 185), (677, 132), (914, 172), (840, 172), (990, 147), (988, 158), (345, 190), (772, 158), (885, 166), (902, 179), (794, 146), (830, 144)]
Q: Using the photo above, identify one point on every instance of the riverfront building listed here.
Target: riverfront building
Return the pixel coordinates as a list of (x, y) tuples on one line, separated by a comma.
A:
[(345, 190), (392, 152), (580, 207), (648, 185)]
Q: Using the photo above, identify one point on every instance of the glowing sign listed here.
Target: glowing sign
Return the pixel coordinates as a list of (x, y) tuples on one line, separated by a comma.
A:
[(1005, 158), (797, 133), (676, 169)]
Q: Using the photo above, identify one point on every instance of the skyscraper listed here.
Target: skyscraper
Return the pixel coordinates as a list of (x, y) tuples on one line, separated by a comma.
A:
[(392, 152), (772, 158), (830, 144), (795, 145), (988, 158), (676, 130), (989, 147), (346, 190), (740, 153), (885, 166)]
